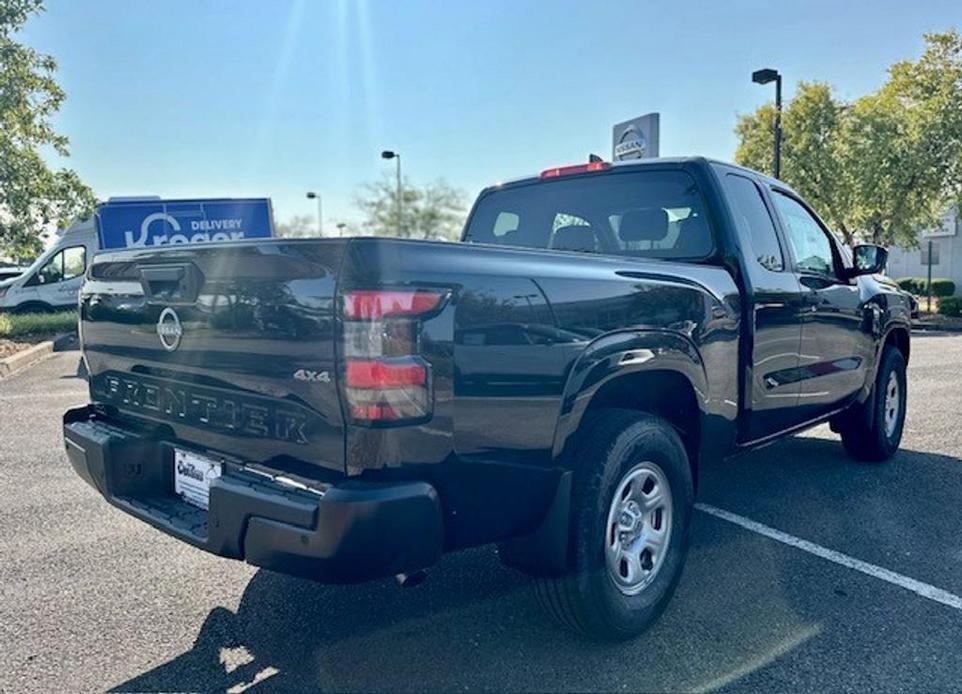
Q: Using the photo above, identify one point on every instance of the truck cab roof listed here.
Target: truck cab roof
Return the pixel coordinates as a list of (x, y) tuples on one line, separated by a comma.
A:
[(697, 161)]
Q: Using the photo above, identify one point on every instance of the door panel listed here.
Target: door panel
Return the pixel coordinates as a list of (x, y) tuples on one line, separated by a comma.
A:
[(64, 294), (832, 363), (774, 306), (774, 365)]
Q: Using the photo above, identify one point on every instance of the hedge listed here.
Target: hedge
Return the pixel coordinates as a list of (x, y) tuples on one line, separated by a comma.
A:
[(951, 306), (942, 287), (917, 286), (911, 284), (21, 324)]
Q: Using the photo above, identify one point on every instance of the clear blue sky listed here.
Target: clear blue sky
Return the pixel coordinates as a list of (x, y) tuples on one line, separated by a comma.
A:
[(190, 98)]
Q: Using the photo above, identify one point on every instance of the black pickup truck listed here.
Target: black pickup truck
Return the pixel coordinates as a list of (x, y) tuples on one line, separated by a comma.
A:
[(350, 409)]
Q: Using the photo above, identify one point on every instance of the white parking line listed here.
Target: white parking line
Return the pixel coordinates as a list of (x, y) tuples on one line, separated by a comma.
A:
[(896, 579)]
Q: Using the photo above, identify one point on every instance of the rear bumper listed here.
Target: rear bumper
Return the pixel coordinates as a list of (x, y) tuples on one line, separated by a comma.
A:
[(340, 533)]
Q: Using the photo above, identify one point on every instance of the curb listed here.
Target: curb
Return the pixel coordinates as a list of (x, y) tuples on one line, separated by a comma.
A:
[(935, 328), (30, 356)]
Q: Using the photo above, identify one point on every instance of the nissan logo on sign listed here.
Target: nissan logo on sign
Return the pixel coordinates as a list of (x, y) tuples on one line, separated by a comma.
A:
[(169, 329), (636, 138), (632, 144)]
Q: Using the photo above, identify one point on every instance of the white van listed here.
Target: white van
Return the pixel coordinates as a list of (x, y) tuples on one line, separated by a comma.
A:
[(53, 280)]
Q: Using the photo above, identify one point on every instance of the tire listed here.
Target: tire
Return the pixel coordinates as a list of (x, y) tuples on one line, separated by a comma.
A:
[(872, 432), (643, 451)]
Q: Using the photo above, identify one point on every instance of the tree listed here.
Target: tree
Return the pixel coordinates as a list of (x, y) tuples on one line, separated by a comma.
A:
[(904, 145), (298, 226), (33, 198), (435, 211), (812, 160), (882, 167)]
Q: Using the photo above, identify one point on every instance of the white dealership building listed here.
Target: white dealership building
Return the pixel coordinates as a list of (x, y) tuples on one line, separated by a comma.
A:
[(946, 245)]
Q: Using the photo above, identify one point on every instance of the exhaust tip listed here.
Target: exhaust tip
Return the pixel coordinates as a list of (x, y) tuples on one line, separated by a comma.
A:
[(411, 580)]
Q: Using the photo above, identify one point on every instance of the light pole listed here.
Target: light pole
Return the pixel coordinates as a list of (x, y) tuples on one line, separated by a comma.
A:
[(765, 76), (388, 154), (311, 195)]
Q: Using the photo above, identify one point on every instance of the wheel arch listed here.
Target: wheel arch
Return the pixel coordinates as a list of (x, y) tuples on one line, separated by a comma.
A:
[(630, 370), (658, 372), (895, 336), (898, 337)]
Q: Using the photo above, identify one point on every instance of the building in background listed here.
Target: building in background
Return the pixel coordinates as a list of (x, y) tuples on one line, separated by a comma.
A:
[(946, 245)]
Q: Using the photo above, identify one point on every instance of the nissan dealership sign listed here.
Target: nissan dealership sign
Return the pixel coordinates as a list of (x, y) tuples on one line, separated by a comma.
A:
[(636, 138)]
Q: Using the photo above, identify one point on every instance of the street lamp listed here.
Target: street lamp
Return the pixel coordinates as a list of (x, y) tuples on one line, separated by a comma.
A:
[(764, 77), (311, 195), (388, 154)]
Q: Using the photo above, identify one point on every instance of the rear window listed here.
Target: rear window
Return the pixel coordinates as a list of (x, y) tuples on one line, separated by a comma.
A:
[(657, 214)]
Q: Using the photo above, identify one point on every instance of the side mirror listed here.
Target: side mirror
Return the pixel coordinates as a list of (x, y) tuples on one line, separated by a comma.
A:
[(868, 259)]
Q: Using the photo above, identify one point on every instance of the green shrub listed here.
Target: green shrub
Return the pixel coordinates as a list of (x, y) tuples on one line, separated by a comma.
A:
[(911, 284), (919, 286), (942, 287), (23, 324), (951, 306)]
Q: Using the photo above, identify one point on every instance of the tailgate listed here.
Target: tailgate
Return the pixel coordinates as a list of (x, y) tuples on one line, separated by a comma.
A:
[(230, 346)]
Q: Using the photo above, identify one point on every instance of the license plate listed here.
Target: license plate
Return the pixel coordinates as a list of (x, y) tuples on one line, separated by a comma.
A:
[(192, 476)]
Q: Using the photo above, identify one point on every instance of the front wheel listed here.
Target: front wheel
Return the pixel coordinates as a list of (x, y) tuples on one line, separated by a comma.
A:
[(873, 431), (630, 520)]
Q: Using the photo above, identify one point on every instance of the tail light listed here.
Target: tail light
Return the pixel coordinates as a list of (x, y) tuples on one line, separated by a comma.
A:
[(374, 305), (575, 169), (385, 379)]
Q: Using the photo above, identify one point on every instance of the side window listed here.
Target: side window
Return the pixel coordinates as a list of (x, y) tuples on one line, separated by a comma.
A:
[(505, 223), (74, 261), (813, 250), (52, 271), (507, 335), (65, 265), (755, 222)]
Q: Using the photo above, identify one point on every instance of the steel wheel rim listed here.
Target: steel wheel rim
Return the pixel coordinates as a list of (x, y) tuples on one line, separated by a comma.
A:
[(893, 401), (638, 528)]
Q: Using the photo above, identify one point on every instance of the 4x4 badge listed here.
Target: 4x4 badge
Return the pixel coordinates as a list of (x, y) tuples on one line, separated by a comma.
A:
[(312, 376)]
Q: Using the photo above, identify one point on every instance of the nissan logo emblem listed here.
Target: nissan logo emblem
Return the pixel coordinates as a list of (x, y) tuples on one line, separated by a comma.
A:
[(169, 329), (631, 145)]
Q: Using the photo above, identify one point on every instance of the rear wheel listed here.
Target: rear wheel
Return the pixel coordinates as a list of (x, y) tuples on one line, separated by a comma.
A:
[(873, 431), (630, 519)]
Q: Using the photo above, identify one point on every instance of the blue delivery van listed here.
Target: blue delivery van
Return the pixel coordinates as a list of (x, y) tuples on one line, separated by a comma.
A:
[(52, 281)]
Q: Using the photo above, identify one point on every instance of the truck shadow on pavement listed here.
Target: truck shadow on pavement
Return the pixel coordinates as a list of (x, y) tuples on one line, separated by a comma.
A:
[(744, 603)]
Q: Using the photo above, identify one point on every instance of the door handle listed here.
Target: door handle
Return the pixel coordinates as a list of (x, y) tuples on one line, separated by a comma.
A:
[(810, 302)]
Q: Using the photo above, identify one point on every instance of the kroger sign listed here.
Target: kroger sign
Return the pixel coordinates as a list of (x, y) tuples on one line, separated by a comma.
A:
[(137, 224)]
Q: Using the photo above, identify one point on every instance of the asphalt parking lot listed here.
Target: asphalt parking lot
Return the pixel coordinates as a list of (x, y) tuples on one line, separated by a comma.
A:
[(91, 599)]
